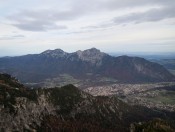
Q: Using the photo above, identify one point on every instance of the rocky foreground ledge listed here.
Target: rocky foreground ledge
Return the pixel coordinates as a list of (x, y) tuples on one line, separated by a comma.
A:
[(70, 109)]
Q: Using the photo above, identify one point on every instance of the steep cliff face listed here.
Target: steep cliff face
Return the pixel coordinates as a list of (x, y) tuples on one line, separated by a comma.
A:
[(21, 108), (92, 55), (65, 109)]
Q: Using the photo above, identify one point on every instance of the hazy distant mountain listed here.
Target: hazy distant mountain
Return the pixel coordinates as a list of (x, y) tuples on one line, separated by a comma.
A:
[(81, 65), (70, 109)]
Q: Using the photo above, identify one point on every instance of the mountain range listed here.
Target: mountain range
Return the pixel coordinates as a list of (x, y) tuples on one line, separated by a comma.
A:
[(70, 109), (83, 65)]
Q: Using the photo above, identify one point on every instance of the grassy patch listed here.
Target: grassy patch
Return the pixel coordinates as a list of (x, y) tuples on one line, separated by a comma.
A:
[(163, 96)]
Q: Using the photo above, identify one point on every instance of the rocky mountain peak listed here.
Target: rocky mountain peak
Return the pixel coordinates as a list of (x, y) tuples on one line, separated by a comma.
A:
[(94, 50), (54, 53), (91, 55)]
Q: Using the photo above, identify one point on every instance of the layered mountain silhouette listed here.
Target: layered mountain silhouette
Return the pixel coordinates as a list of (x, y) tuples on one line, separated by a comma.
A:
[(70, 109), (81, 64)]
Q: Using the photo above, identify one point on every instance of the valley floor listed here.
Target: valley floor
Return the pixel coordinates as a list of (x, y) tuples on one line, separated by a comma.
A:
[(152, 95)]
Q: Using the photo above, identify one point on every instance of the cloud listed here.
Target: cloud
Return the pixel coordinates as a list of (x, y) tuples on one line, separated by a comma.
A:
[(157, 10), (152, 15), (18, 36), (145, 11), (10, 37), (47, 18), (118, 4), (38, 25), (40, 20)]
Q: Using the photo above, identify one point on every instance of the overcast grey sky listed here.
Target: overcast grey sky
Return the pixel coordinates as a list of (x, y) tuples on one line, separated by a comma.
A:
[(32, 26)]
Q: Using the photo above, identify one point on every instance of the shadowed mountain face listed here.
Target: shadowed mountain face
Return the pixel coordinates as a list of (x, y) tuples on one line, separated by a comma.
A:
[(52, 63), (68, 109)]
